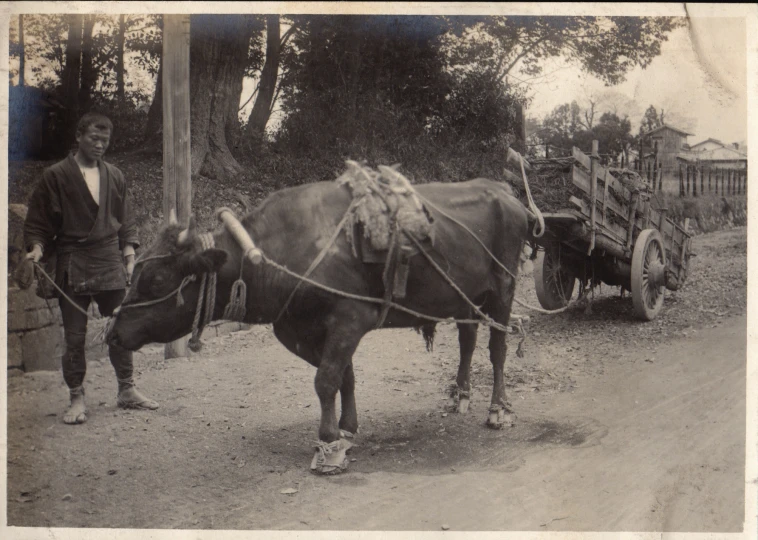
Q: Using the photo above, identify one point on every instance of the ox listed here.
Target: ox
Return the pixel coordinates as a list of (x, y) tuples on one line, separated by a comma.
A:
[(291, 228)]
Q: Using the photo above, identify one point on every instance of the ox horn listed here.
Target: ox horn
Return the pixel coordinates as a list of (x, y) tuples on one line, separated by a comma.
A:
[(187, 234), (172, 217)]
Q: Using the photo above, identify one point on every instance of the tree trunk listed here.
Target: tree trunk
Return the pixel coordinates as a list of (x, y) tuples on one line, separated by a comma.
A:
[(154, 129), (218, 51), (89, 75), (21, 50), (70, 80), (120, 40), (262, 109)]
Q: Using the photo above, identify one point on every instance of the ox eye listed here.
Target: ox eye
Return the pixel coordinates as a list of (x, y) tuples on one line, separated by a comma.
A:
[(157, 284)]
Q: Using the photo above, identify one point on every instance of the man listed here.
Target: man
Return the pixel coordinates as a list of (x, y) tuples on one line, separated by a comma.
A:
[(82, 210)]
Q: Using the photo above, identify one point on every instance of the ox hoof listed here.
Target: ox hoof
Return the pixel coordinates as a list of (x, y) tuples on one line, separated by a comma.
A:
[(500, 418), (331, 458), (463, 405), (458, 401)]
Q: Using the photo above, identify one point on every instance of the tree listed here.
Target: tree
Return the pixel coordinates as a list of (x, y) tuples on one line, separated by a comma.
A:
[(565, 127), (264, 101), (71, 79), (154, 126), (614, 134), (219, 53), (120, 72), (89, 72), (650, 120), (561, 127), (606, 47)]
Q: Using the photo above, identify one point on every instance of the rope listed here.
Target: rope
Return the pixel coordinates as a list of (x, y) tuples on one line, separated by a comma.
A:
[(236, 308), (455, 287), (465, 228), (321, 255), (388, 287), (177, 292), (194, 342), (362, 298), (51, 280), (532, 205)]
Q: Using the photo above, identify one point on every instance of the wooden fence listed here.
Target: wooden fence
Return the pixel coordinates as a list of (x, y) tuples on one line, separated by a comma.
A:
[(697, 180)]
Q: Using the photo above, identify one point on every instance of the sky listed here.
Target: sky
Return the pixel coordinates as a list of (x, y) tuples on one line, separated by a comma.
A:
[(702, 86)]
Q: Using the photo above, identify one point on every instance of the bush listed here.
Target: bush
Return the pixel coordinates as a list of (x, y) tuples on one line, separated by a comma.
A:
[(707, 213)]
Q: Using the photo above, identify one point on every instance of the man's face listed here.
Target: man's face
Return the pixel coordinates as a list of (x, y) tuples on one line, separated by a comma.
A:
[(94, 142)]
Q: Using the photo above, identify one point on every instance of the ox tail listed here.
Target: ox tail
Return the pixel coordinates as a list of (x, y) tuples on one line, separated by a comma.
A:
[(427, 331)]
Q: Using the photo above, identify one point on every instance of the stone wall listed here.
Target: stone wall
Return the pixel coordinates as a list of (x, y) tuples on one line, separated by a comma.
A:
[(35, 334)]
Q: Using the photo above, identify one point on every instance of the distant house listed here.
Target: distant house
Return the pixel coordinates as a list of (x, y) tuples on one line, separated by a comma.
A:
[(667, 142), (721, 157), (706, 145), (660, 148)]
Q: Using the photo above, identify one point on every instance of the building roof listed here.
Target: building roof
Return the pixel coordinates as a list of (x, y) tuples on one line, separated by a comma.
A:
[(725, 153), (708, 140), (664, 126)]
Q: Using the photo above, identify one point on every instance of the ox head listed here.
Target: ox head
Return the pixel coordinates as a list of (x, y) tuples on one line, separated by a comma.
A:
[(159, 306)]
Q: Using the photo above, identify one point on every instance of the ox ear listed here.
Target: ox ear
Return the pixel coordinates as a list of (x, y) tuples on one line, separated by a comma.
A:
[(209, 260)]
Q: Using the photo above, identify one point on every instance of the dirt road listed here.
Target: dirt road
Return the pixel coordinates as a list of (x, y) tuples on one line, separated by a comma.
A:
[(621, 426)]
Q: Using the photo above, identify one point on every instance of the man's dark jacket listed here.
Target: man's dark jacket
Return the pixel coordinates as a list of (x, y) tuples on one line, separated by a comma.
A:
[(86, 237)]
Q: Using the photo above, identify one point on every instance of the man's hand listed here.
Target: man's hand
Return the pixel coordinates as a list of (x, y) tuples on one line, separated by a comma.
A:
[(129, 269), (35, 254), (129, 262)]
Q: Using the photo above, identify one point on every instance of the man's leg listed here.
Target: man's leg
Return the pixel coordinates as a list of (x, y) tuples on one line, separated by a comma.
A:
[(74, 362), (121, 359)]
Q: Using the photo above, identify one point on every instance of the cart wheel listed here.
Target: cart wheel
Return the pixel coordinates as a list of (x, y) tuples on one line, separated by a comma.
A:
[(553, 282), (648, 274)]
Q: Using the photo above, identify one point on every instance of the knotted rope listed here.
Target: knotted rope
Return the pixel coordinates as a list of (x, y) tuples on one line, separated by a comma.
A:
[(235, 310)]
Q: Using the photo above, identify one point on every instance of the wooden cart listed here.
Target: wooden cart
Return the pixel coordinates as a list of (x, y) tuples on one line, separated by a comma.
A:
[(619, 240)]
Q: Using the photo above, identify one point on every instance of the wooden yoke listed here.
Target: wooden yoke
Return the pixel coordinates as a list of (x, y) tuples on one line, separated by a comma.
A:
[(232, 224)]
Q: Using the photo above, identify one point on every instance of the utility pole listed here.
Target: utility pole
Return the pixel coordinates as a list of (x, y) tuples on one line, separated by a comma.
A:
[(177, 184)]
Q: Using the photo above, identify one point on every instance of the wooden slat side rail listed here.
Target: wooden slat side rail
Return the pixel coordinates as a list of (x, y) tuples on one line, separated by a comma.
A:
[(605, 195), (581, 179), (584, 160), (632, 222), (593, 195), (611, 229)]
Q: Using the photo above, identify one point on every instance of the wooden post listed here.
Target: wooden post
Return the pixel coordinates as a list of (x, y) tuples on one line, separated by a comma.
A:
[(687, 185), (177, 187), (660, 177), (722, 182), (593, 194), (709, 180), (695, 173), (681, 181), (702, 181)]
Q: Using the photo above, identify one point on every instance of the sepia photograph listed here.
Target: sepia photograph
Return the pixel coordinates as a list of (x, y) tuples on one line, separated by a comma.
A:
[(294, 270)]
